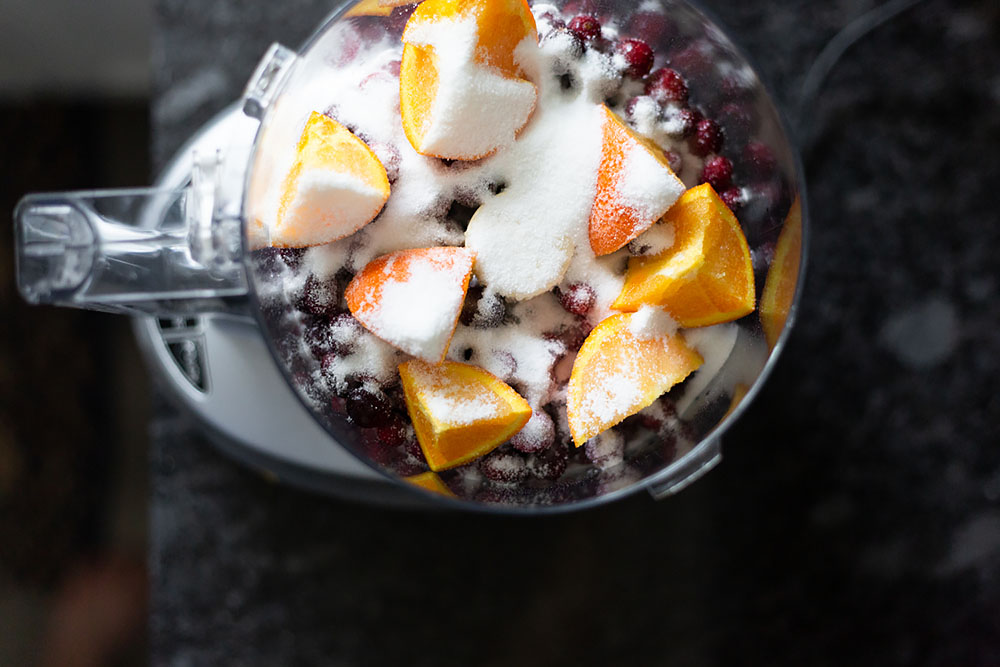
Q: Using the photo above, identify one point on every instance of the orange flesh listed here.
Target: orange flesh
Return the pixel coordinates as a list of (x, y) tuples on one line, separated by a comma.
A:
[(429, 481), (706, 277), (782, 276), (447, 440), (613, 225), (614, 359)]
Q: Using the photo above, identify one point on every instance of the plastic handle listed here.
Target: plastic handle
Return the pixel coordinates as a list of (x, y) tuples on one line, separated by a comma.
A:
[(148, 251)]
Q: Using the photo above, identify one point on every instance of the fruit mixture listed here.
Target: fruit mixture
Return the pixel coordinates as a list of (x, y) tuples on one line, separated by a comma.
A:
[(504, 248)]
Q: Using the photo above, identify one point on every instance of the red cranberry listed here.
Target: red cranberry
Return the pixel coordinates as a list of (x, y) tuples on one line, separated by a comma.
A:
[(551, 463), (707, 138), (392, 435), (675, 160), (691, 60), (760, 157), (736, 119), (718, 172), (585, 27), (392, 67), (733, 198), (688, 119), (399, 16), (537, 435), (577, 299), (653, 27), (553, 19), (503, 466), (319, 297), (482, 310), (369, 408), (666, 85), (376, 449), (638, 56)]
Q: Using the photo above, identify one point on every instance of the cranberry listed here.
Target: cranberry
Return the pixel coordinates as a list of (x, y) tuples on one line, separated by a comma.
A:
[(376, 449), (577, 299), (638, 56), (691, 60), (369, 408), (652, 27), (399, 16), (319, 297), (733, 198), (537, 435), (390, 157), (667, 85), (338, 405), (736, 119), (675, 160), (707, 138), (605, 450), (718, 172), (503, 466), (551, 463), (392, 435), (687, 120), (760, 157), (392, 67), (574, 46), (483, 310), (585, 27), (553, 19)]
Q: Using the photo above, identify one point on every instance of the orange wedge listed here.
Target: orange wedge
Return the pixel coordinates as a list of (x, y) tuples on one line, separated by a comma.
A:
[(782, 276), (335, 187), (706, 277), (464, 104), (460, 412), (429, 481), (635, 187), (412, 298), (622, 369)]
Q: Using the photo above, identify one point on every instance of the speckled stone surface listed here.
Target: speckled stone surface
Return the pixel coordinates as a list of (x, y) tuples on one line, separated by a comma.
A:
[(855, 519)]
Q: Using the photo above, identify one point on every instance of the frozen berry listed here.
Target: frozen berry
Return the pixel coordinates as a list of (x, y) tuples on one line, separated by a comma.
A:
[(638, 56), (733, 198), (482, 309), (553, 19), (399, 16), (653, 27), (718, 172), (760, 158), (737, 121), (319, 297), (577, 299), (605, 450), (503, 466), (707, 138), (376, 449), (667, 85), (675, 160), (537, 435), (551, 463), (691, 60), (369, 408), (585, 27)]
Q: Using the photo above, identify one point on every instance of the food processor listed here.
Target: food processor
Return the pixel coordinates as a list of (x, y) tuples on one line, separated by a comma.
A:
[(176, 258)]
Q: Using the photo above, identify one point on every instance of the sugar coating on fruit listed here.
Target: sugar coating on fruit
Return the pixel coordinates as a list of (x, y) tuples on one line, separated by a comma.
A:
[(326, 205), (646, 186), (651, 322), (454, 403), (412, 299), (476, 109)]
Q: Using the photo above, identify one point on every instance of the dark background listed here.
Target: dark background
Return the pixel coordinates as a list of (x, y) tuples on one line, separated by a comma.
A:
[(855, 518)]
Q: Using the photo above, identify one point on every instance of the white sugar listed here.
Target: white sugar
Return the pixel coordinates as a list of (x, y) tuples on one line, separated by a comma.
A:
[(417, 314), (476, 109), (651, 322), (370, 357), (646, 185), (327, 206)]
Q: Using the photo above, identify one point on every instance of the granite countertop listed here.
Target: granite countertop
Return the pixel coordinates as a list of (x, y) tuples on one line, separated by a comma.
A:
[(855, 518)]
